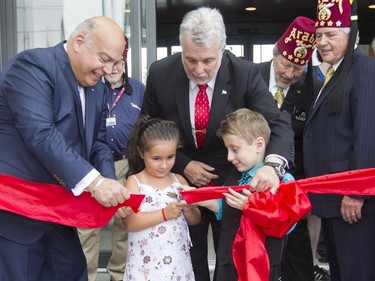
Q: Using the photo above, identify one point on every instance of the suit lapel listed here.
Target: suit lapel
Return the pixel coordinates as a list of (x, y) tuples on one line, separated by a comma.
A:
[(219, 100), (63, 60), (182, 102), (323, 96)]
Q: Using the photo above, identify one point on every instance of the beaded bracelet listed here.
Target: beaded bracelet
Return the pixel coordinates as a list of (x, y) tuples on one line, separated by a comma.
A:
[(96, 187), (164, 216)]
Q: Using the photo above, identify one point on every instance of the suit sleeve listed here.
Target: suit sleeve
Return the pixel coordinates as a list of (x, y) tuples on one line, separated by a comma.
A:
[(30, 91)]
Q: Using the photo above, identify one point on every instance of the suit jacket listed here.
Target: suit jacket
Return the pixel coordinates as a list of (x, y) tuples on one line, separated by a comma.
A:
[(238, 84), (43, 136), (337, 143), (297, 103)]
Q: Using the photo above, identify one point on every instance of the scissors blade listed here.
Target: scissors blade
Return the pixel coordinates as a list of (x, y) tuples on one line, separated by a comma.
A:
[(176, 196)]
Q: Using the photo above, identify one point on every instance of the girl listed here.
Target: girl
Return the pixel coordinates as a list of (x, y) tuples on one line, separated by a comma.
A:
[(159, 241)]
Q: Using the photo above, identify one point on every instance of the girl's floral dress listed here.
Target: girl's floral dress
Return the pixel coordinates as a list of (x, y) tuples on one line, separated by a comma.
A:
[(159, 253)]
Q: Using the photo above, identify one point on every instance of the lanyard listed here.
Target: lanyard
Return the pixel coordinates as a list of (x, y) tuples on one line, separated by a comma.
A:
[(116, 100)]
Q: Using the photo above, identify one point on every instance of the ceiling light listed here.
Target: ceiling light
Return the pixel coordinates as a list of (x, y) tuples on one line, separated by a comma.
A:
[(251, 6), (372, 6), (250, 9)]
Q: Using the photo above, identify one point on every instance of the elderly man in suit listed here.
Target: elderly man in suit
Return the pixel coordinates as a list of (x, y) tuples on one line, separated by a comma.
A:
[(196, 89), (294, 89), (339, 136), (52, 130)]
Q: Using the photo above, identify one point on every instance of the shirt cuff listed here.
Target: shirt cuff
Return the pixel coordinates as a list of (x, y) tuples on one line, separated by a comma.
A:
[(85, 182), (280, 157)]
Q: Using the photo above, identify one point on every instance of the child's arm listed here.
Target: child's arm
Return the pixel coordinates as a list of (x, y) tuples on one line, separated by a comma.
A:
[(212, 205), (237, 200), (143, 220), (192, 213)]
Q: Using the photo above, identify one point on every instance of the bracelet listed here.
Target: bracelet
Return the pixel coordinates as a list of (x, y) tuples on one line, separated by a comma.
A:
[(96, 187), (164, 216)]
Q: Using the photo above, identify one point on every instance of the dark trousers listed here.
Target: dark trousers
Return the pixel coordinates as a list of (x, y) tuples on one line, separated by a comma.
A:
[(56, 256), (350, 248), (198, 252), (297, 263)]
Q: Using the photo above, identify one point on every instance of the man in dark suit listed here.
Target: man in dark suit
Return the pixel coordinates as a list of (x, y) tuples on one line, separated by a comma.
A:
[(52, 130), (287, 72), (171, 90), (339, 136)]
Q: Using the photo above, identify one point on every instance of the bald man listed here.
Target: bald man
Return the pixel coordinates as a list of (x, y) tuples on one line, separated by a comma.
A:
[(52, 118)]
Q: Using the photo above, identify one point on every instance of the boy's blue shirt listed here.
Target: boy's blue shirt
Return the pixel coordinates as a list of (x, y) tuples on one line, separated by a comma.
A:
[(245, 179)]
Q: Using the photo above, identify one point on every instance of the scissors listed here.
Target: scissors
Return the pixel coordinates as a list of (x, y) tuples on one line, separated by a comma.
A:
[(174, 195)]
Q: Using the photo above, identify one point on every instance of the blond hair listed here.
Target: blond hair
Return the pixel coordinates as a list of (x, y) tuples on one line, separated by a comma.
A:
[(246, 124)]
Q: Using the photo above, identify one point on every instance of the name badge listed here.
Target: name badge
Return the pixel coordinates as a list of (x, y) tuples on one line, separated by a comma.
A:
[(111, 121)]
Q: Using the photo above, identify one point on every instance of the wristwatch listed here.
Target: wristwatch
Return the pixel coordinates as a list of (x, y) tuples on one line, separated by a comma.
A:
[(279, 168)]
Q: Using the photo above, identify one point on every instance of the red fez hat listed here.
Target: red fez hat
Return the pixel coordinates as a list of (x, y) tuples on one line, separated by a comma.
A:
[(298, 41), (334, 13), (125, 53)]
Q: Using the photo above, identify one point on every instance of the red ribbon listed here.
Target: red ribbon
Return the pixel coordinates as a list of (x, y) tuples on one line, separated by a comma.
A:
[(268, 214), (49, 202), (265, 214)]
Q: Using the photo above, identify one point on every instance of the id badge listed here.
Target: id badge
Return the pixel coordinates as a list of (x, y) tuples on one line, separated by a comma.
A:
[(111, 121)]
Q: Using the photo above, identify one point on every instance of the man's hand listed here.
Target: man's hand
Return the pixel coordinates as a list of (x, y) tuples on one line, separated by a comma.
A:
[(351, 209), (199, 173), (109, 192), (265, 178)]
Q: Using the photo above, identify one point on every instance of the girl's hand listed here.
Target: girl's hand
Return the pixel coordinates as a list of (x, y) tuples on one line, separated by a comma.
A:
[(123, 212), (237, 200), (173, 210), (186, 207)]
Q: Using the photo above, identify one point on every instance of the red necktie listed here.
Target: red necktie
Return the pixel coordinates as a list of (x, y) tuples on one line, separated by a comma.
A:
[(202, 114)]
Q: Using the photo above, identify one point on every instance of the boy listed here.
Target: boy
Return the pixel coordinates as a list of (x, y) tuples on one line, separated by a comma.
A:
[(245, 134)]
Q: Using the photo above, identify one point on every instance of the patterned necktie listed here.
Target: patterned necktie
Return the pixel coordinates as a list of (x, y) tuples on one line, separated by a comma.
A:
[(279, 97), (245, 179), (202, 114), (329, 74)]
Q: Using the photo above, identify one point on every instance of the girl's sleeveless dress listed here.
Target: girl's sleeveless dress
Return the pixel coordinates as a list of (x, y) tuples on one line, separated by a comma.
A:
[(159, 253)]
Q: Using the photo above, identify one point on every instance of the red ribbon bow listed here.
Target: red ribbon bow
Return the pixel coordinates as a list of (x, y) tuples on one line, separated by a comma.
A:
[(268, 214)]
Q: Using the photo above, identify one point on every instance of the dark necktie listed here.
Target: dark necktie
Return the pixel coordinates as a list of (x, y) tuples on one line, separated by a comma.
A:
[(245, 179), (202, 114)]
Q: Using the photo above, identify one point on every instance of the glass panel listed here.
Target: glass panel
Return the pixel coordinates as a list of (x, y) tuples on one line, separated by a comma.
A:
[(162, 52), (262, 53), (238, 50)]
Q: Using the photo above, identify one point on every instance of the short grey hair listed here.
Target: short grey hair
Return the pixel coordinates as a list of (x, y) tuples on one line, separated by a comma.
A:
[(87, 27), (203, 25)]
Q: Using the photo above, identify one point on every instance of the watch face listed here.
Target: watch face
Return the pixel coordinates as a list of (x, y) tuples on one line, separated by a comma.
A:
[(279, 168), (281, 171)]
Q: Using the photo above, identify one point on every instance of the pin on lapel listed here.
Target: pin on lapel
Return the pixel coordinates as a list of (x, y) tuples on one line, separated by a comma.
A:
[(223, 92)]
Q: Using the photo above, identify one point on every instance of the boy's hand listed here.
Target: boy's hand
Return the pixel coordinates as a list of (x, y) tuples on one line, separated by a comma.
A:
[(237, 200)]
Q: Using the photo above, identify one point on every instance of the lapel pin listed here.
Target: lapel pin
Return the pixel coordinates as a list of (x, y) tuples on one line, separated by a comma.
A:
[(223, 92)]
